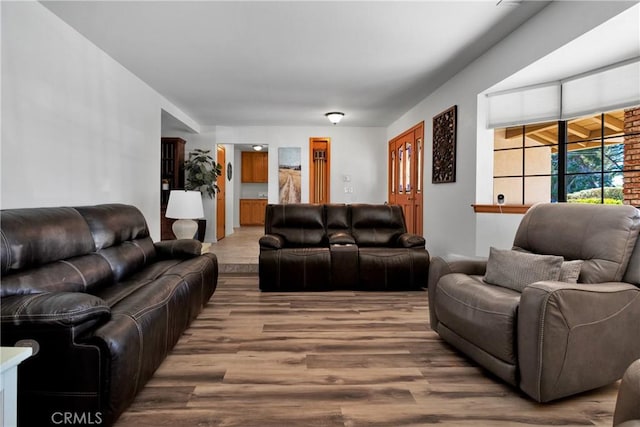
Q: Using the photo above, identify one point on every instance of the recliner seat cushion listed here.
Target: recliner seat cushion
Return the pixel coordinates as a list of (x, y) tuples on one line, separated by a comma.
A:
[(483, 314), (392, 268), (295, 269)]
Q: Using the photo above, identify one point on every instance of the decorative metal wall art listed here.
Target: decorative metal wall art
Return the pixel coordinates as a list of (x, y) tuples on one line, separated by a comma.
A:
[(444, 146)]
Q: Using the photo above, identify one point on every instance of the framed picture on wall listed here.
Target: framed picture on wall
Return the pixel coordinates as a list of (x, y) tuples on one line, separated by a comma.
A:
[(444, 146), (289, 174)]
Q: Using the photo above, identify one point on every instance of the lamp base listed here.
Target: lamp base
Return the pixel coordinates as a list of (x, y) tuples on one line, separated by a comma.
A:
[(185, 228)]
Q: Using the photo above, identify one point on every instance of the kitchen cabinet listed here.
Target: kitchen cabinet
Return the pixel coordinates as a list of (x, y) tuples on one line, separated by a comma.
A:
[(252, 211), (255, 167)]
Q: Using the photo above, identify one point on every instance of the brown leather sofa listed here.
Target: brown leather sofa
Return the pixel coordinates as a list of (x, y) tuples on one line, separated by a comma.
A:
[(323, 247), (100, 304), (552, 339), (627, 412)]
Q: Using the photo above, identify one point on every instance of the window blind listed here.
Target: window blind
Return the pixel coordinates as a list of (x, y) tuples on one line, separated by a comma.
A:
[(605, 89), (524, 105)]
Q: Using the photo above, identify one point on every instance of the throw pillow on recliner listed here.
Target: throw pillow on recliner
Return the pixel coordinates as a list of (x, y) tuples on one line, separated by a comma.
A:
[(515, 269)]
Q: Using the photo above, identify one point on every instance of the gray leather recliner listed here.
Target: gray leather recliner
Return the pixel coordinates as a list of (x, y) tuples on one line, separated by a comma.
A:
[(553, 339), (627, 413)]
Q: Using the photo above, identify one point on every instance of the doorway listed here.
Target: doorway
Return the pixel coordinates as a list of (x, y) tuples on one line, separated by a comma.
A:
[(406, 163), (320, 168), (221, 195)]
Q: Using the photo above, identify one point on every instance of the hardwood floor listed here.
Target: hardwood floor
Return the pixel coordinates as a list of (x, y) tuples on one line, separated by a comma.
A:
[(333, 359)]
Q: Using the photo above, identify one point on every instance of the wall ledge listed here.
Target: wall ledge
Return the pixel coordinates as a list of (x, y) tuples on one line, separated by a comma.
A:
[(501, 209)]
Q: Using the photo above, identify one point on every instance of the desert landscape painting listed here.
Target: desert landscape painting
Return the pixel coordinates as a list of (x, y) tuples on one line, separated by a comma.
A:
[(289, 171)]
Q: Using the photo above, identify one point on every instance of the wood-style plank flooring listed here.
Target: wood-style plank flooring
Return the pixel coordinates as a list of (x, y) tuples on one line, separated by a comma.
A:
[(333, 359)]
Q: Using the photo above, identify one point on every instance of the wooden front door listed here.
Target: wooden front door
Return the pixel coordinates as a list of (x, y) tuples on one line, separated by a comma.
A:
[(406, 163), (220, 196)]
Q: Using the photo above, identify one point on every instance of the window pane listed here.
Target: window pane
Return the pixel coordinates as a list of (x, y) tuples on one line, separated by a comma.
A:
[(580, 159), (507, 162), (400, 170), (419, 171), (541, 134), (507, 138), (613, 157), (583, 188), (510, 187), (537, 160), (613, 191), (537, 189), (407, 174)]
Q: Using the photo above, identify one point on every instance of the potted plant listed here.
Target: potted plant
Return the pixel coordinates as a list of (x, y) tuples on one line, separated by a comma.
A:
[(201, 173)]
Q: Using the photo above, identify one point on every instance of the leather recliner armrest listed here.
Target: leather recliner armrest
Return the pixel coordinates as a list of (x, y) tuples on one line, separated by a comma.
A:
[(271, 241), (409, 240), (58, 308), (441, 266), (567, 330), (178, 249), (627, 412), (341, 238)]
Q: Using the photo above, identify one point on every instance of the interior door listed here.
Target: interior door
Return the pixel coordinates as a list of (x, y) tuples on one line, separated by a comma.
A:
[(221, 195), (406, 162)]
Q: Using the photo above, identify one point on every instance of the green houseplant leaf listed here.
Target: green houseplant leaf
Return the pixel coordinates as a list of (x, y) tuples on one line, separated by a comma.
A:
[(202, 172)]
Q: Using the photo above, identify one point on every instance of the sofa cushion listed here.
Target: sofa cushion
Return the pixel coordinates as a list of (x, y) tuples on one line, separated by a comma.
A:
[(299, 224), (300, 269), (128, 257), (602, 235), (85, 273), (570, 271), (377, 225), (37, 236), (482, 314), (113, 224), (515, 269), (392, 268), (338, 218)]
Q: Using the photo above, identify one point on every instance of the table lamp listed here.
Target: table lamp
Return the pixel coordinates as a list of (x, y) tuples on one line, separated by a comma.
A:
[(185, 206)]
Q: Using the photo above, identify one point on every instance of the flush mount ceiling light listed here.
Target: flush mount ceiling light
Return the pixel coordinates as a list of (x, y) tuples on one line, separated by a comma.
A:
[(335, 117), (257, 147)]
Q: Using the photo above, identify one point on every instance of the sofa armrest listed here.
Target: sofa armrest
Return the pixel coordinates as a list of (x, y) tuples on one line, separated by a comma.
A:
[(627, 403), (59, 308), (178, 249), (441, 266), (341, 238), (271, 241), (409, 240), (567, 330)]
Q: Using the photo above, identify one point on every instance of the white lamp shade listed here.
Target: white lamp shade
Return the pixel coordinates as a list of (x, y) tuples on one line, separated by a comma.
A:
[(184, 205)]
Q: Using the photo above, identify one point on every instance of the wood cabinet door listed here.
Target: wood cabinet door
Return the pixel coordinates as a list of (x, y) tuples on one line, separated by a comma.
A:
[(255, 167)]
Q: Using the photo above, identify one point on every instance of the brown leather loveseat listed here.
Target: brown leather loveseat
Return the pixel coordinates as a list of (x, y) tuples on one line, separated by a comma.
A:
[(100, 304), (334, 246), (575, 330)]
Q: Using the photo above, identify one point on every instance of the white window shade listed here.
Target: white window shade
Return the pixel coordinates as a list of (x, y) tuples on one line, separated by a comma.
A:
[(525, 105), (606, 89)]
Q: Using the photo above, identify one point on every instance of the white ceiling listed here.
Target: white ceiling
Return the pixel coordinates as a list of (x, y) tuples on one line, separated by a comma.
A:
[(287, 63)]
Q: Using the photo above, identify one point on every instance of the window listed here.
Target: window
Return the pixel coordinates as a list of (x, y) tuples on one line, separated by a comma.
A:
[(580, 160)]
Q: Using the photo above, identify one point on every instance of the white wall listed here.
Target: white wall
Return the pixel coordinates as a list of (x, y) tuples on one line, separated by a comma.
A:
[(77, 127), (450, 225), (357, 152)]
